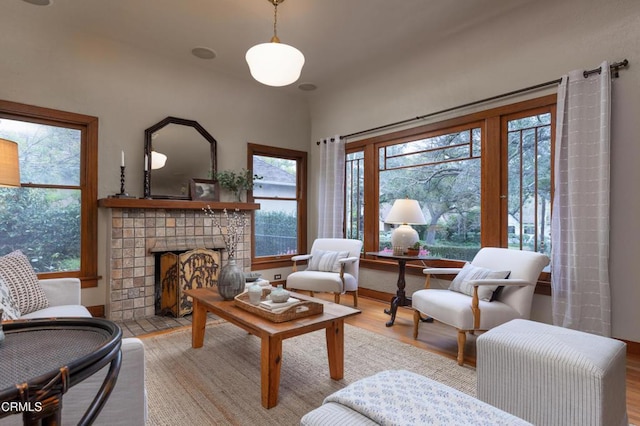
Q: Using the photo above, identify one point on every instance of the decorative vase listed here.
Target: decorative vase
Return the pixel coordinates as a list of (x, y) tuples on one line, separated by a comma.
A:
[(231, 280), (255, 294), (279, 295)]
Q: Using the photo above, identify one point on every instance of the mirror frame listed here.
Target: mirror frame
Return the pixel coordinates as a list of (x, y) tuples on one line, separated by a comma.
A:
[(148, 133)]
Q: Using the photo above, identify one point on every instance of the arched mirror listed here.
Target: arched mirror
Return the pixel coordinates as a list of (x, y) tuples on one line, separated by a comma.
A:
[(177, 150)]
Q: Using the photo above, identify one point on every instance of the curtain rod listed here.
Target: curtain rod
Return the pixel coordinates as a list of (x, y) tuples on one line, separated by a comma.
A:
[(614, 73)]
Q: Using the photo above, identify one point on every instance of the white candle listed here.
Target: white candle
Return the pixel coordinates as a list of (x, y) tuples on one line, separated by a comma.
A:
[(122, 159), (146, 160)]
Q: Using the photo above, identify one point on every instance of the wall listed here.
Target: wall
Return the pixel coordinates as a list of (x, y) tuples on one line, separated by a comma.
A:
[(528, 46), (130, 90)]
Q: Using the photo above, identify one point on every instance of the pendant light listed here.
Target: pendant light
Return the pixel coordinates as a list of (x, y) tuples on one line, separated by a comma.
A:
[(274, 63)]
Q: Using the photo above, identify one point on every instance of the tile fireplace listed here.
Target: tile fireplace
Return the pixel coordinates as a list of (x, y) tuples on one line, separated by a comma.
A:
[(135, 237)]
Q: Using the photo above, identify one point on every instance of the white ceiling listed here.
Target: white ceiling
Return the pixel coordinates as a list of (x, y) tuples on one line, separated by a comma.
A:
[(337, 37)]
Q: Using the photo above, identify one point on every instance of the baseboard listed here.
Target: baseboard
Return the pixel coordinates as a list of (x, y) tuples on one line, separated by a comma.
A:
[(633, 348), (96, 311), (375, 294)]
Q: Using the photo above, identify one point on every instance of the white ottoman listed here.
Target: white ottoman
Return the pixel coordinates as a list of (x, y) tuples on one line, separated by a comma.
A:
[(551, 375), (403, 398)]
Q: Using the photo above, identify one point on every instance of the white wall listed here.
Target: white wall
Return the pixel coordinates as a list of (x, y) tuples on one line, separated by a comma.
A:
[(130, 90), (532, 45)]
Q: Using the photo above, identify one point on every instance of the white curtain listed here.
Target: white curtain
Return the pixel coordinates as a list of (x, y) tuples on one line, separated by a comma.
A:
[(331, 188), (580, 222)]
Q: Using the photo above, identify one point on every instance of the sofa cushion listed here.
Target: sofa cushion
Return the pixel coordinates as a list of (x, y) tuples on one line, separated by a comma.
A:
[(61, 311), (23, 283), (8, 306), (326, 260), (470, 272)]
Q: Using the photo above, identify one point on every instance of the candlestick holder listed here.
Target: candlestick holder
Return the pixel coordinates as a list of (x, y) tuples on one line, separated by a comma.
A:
[(123, 193), (147, 184)]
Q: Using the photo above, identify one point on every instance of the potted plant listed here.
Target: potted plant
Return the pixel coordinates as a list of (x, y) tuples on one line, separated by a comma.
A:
[(414, 250), (237, 182)]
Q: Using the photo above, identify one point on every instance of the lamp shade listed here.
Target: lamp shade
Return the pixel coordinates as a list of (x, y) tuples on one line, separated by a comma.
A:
[(275, 64), (406, 212), (9, 163)]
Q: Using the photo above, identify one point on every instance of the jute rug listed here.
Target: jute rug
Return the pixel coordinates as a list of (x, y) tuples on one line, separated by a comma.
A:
[(219, 384)]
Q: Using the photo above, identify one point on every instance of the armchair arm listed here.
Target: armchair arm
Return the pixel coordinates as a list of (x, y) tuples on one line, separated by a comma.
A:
[(61, 291), (438, 271), (300, 257), (347, 260), (503, 282), (475, 300), (297, 259), (441, 271)]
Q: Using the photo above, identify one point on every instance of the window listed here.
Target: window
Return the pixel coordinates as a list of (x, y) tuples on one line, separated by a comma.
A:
[(280, 225), (52, 217), (481, 180)]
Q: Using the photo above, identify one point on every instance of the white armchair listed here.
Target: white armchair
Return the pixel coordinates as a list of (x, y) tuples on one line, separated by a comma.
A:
[(496, 287), (333, 266)]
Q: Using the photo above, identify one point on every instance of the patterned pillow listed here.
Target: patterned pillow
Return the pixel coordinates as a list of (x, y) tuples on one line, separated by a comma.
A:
[(326, 261), (23, 283), (9, 309), (469, 272)]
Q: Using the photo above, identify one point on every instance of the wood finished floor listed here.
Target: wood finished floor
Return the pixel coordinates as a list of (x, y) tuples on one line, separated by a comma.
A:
[(434, 337)]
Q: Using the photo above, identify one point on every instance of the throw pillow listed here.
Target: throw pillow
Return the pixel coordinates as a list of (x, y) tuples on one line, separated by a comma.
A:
[(22, 281), (9, 309), (469, 272), (326, 261)]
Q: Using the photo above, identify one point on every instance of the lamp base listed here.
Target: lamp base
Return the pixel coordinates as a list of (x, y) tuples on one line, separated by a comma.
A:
[(404, 236)]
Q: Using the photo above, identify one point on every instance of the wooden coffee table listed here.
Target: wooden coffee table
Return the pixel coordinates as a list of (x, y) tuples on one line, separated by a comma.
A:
[(272, 334)]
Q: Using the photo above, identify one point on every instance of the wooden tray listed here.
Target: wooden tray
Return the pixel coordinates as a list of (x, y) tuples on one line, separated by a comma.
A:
[(303, 309)]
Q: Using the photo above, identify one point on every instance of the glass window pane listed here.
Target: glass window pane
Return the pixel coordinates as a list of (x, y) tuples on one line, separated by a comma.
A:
[(48, 154), (354, 201), (449, 194), (44, 224), (278, 177), (276, 228), (529, 173)]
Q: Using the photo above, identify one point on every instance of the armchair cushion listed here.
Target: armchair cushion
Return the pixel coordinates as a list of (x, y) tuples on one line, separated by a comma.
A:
[(8, 307), (462, 282), (326, 260), (23, 283)]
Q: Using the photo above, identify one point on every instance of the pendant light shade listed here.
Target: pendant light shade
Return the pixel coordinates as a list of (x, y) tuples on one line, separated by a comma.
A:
[(274, 63), (9, 163)]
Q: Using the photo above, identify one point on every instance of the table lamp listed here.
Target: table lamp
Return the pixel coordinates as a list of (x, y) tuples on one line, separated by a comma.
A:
[(405, 212), (9, 163)]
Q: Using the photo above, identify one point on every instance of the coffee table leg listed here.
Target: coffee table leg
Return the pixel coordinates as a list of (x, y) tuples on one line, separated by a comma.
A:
[(270, 363), (335, 349), (199, 321)]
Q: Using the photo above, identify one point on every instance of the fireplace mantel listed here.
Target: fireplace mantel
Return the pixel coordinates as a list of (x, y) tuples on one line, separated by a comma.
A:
[(145, 203)]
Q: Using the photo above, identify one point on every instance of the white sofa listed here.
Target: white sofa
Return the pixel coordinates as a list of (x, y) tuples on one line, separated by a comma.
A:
[(127, 404)]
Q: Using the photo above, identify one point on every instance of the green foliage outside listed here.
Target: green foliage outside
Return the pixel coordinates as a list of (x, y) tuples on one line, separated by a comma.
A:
[(276, 233), (44, 224)]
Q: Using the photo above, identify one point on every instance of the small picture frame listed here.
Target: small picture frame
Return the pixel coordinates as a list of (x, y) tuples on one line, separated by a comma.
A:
[(204, 190)]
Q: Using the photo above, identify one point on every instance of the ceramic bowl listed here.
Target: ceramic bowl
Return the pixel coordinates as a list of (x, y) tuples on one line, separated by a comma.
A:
[(252, 276)]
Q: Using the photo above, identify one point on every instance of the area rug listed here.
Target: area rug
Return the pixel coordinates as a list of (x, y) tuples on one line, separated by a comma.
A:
[(219, 384)]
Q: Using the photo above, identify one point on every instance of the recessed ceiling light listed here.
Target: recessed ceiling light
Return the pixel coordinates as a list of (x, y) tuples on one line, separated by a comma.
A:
[(203, 53), (39, 2), (307, 87)]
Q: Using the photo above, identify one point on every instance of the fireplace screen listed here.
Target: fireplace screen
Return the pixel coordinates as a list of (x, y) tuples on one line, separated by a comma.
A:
[(179, 272)]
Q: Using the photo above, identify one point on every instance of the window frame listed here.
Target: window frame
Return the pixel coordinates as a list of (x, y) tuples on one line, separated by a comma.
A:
[(266, 262), (88, 126), (493, 175)]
